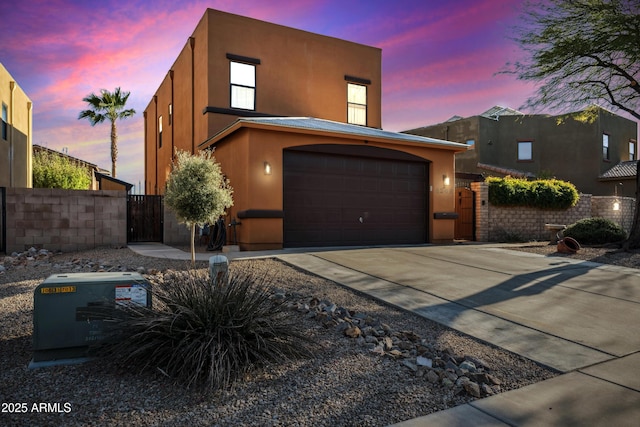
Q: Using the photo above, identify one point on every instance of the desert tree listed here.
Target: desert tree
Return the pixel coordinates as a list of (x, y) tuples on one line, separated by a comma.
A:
[(111, 106), (197, 191), (580, 53)]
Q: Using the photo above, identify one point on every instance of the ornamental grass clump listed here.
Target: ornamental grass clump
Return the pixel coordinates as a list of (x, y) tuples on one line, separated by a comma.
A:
[(205, 335)]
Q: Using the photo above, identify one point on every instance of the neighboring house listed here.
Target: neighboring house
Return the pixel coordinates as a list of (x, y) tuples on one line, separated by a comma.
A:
[(295, 120), (107, 182), (622, 177), (573, 147), (100, 178), (16, 136)]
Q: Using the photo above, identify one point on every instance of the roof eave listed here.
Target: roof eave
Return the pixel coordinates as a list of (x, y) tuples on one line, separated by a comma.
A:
[(240, 123)]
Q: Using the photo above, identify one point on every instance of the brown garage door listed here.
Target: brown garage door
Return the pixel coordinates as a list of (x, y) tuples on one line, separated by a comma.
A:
[(362, 197)]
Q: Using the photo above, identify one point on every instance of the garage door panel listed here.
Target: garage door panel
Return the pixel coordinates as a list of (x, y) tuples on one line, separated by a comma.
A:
[(337, 200)]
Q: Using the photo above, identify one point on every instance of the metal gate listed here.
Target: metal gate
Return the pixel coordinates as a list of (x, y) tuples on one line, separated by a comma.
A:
[(465, 207), (144, 218)]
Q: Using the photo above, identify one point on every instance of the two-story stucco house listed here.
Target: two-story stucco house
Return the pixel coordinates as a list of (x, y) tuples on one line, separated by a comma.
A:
[(295, 121), (579, 147), (16, 134)]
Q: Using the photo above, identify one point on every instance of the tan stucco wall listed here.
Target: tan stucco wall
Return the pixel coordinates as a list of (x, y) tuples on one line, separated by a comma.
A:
[(16, 150), (300, 74), (242, 156)]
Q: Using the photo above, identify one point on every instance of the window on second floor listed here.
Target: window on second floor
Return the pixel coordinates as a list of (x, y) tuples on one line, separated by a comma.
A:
[(5, 119), (605, 147), (356, 104), (243, 86), (170, 114), (160, 132), (632, 150), (525, 150)]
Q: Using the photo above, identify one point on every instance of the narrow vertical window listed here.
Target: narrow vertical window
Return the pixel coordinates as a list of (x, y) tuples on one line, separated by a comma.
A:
[(160, 132), (356, 104), (632, 150), (243, 86), (170, 114), (525, 150), (5, 119), (605, 147)]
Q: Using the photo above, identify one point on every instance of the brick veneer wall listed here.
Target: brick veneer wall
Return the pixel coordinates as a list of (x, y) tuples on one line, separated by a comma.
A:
[(66, 220), (497, 223)]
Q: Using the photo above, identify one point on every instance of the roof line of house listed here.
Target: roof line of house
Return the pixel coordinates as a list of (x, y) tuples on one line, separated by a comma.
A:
[(506, 171), (315, 126)]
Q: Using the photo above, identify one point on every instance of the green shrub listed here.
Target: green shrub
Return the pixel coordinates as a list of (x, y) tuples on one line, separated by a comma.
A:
[(51, 170), (544, 194), (204, 335), (595, 231)]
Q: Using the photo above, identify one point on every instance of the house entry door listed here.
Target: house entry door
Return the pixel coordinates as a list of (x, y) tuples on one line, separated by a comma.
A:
[(465, 223)]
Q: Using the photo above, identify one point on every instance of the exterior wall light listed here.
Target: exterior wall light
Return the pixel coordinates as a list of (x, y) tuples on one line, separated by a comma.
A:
[(616, 203), (267, 168), (446, 180)]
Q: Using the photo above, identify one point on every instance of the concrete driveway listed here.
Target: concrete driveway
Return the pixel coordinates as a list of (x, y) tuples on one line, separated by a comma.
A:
[(580, 318)]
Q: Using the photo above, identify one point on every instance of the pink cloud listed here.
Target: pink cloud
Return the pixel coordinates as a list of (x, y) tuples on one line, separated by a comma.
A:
[(439, 58)]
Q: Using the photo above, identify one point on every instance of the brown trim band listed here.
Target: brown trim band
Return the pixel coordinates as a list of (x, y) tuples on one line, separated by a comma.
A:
[(445, 215), (357, 80), (245, 59), (236, 112), (260, 213)]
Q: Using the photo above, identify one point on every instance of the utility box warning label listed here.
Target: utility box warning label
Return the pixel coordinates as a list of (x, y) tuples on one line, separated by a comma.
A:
[(131, 294)]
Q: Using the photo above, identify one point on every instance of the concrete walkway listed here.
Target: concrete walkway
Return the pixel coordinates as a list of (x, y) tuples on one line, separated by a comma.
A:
[(577, 317)]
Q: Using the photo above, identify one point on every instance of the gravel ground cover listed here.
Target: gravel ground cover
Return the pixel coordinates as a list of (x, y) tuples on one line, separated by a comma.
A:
[(397, 367), (606, 254)]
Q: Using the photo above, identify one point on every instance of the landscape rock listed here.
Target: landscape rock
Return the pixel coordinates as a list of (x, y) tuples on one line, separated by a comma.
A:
[(424, 361), (352, 332)]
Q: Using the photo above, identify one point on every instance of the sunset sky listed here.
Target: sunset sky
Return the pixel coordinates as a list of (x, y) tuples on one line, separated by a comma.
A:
[(439, 58)]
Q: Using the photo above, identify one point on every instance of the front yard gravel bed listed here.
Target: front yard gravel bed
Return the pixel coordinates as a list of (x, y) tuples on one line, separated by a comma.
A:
[(355, 379)]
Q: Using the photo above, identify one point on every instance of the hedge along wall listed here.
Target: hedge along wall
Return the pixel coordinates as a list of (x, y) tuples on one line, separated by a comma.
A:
[(65, 220), (496, 223)]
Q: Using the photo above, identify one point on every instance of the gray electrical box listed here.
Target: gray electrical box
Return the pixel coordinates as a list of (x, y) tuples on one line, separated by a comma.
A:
[(66, 308)]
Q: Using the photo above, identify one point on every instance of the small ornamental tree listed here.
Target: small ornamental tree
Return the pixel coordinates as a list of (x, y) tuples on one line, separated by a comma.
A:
[(51, 170), (197, 192)]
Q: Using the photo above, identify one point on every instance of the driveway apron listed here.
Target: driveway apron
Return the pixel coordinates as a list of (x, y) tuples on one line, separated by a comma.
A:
[(562, 313)]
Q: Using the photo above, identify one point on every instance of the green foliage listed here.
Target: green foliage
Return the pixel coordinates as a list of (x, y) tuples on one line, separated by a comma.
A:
[(595, 231), (202, 334), (51, 170), (581, 53), (544, 194), (196, 190)]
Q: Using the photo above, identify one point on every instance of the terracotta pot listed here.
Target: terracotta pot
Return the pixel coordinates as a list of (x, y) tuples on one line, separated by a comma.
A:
[(568, 245)]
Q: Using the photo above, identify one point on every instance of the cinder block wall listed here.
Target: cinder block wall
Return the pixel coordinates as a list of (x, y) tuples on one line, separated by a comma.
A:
[(174, 233), (497, 223), (66, 220)]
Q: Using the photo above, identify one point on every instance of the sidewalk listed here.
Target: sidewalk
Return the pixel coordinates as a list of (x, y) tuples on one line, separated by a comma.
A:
[(577, 317)]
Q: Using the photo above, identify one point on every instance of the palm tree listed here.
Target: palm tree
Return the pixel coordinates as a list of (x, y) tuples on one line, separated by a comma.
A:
[(109, 105)]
